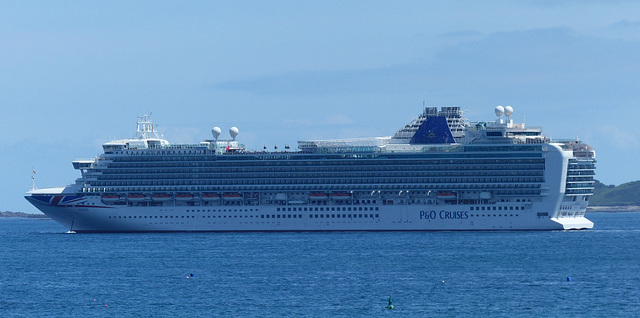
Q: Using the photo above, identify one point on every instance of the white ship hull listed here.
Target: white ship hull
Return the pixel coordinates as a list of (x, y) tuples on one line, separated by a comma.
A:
[(89, 216)]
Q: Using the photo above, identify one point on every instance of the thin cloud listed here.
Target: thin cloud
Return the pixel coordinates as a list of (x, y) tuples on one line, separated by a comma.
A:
[(621, 138), (338, 119), (461, 34), (537, 64), (625, 24), (334, 120)]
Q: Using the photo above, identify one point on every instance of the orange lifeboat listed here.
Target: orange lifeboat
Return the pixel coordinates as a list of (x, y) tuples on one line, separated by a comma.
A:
[(184, 197), (446, 195), (341, 196), (318, 196), (136, 197), (110, 198), (211, 197), (160, 197), (232, 196)]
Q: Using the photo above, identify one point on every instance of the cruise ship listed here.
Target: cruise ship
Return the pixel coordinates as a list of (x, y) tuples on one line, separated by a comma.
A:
[(438, 172)]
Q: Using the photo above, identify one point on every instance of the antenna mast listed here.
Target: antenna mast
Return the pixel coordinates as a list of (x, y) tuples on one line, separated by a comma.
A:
[(33, 180), (145, 127)]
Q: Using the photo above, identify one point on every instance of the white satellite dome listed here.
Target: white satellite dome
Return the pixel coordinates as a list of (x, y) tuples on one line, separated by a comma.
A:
[(233, 131), (216, 131), (508, 110), (499, 111)]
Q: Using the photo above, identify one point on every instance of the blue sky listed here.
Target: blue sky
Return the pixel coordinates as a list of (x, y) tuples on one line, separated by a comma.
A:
[(75, 74)]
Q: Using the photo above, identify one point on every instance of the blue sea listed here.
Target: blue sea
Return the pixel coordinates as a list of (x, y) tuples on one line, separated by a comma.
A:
[(593, 273)]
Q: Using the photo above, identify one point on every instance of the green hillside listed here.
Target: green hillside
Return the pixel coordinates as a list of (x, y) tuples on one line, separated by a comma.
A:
[(609, 195)]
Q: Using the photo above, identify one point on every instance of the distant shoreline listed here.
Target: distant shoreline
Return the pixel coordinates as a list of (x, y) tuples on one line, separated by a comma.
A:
[(613, 208), (9, 214)]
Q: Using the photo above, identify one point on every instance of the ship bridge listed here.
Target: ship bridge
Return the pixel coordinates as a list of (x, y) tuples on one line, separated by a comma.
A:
[(146, 138)]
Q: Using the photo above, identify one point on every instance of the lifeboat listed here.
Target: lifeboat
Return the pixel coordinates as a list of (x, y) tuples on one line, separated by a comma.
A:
[(211, 197), (136, 197), (485, 195), (341, 196), (446, 195), (184, 197), (318, 196), (160, 197), (232, 196), (110, 198)]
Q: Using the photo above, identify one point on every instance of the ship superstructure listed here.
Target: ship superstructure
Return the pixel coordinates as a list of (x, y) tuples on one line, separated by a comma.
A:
[(439, 172)]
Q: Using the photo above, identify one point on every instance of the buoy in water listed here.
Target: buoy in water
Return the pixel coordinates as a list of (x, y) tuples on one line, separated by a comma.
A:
[(568, 278), (191, 275), (390, 305)]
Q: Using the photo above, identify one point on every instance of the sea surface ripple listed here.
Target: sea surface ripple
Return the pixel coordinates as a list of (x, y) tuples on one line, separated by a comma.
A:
[(593, 273)]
